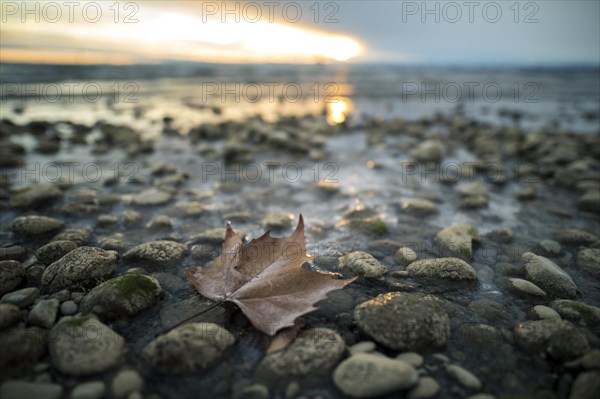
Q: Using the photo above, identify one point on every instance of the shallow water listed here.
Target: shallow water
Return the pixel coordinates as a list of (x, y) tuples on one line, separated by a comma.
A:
[(370, 176)]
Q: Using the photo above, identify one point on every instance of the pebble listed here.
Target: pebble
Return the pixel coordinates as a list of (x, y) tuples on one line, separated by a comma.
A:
[(576, 311), (80, 236), (362, 347), (314, 352), (189, 348), (131, 217), (586, 385), (160, 222), (588, 260), (159, 253), (548, 276), (11, 275), (419, 207), (457, 240), (405, 256), (21, 348), (126, 382), (9, 315), (44, 313), (83, 345), (544, 312), (35, 225), (404, 321), (575, 236), (22, 298), (123, 296), (16, 252), (68, 308), (550, 247), (426, 388), (451, 269), (429, 151), (36, 196), (89, 390), (526, 287), (83, 267), (12, 389), (559, 338), (367, 375), (362, 264), (254, 391), (464, 377), (412, 358), (278, 220), (151, 197), (55, 250), (107, 219)]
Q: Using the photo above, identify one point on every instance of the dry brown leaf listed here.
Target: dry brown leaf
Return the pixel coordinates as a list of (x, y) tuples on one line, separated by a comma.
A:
[(285, 336), (265, 279)]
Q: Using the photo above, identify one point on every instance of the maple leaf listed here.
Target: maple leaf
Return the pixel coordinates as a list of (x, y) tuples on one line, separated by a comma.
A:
[(265, 279)]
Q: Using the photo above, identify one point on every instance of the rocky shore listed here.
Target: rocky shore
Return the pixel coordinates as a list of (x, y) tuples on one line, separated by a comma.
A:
[(477, 249)]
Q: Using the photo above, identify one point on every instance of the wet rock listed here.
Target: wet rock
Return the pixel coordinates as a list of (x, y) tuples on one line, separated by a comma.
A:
[(22, 298), (89, 390), (457, 240), (83, 267), (542, 312), (362, 347), (188, 209), (74, 353), (55, 250), (314, 352), (474, 202), (503, 234), (125, 382), (371, 226), (429, 151), (68, 308), (113, 242), (36, 196), (160, 222), (576, 311), (254, 391), (464, 377), (548, 276), (123, 296), (591, 360), (151, 197), (426, 388), (131, 217), (586, 385), (472, 189), (30, 390), (80, 236), (277, 220), (575, 236), (22, 348), (35, 225), (589, 201), (559, 338), (11, 275), (550, 247), (404, 321), (419, 207), (412, 358), (10, 315), (405, 256), (366, 375), (16, 252), (44, 313), (210, 236), (107, 219), (527, 193), (589, 260), (490, 310), (159, 253), (525, 287), (452, 269), (188, 348), (362, 264)]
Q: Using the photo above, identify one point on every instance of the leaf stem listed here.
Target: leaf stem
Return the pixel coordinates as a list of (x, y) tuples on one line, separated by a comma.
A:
[(211, 307)]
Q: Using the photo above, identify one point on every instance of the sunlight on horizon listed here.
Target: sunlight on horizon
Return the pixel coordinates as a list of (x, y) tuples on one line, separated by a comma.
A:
[(173, 35)]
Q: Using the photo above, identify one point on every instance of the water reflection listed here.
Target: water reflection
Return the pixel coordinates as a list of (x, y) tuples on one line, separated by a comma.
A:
[(337, 110)]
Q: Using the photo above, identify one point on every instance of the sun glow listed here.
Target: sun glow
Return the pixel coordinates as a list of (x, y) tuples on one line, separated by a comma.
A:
[(337, 110), (179, 36)]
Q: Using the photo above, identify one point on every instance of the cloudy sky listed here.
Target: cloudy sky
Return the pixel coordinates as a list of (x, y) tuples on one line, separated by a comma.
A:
[(430, 32)]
